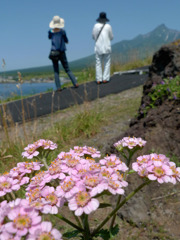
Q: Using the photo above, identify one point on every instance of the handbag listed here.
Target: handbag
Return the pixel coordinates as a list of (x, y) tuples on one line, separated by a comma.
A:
[(54, 55)]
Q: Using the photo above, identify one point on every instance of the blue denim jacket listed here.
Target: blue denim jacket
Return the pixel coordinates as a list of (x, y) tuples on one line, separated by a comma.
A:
[(58, 40)]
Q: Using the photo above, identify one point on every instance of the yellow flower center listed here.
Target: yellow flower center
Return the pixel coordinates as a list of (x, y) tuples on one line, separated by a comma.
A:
[(110, 164), (52, 198), (158, 171), (5, 185), (82, 198), (91, 181), (45, 236), (68, 185), (105, 174), (22, 221), (113, 184), (72, 162)]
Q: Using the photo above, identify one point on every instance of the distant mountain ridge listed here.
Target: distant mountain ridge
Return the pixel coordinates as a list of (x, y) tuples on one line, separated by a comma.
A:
[(140, 47)]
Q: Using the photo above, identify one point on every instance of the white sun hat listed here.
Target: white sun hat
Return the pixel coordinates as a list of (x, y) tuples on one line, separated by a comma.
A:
[(56, 22)]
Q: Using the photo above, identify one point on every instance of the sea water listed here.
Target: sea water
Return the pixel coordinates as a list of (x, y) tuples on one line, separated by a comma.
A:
[(13, 89)]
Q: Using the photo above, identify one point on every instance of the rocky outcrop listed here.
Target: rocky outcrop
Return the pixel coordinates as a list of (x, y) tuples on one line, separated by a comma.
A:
[(160, 127), (165, 63)]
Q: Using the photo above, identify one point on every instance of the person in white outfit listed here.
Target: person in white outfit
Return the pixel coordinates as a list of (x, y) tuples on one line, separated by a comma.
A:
[(102, 34)]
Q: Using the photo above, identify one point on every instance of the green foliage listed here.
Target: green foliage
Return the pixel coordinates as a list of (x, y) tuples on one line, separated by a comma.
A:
[(169, 88), (106, 234), (85, 123), (133, 64), (71, 234)]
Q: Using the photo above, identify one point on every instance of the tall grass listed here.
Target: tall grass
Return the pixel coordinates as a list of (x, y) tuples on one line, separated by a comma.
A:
[(84, 124), (118, 66)]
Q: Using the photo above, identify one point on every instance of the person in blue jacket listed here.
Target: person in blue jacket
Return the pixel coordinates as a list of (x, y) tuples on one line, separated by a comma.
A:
[(58, 44)]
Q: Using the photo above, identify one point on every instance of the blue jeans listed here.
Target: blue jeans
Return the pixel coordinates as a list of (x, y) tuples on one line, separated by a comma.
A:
[(65, 65)]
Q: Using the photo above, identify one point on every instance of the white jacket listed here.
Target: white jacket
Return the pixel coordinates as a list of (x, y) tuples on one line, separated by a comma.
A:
[(103, 44)]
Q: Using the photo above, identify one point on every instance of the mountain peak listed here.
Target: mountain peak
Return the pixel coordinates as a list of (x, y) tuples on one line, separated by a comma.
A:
[(161, 27)]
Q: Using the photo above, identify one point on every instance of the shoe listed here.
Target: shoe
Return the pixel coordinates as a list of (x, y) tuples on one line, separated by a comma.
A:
[(77, 85), (104, 81), (58, 90), (98, 82)]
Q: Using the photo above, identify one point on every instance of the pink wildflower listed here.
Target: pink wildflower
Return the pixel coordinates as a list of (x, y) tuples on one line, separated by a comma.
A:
[(30, 151), (115, 187), (106, 172), (130, 143), (156, 167), (83, 203), (95, 184), (145, 159), (45, 231), (81, 151), (78, 150), (93, 152), (69, 164), (28, 167), (46, 144), (114, 162), (16, 174), (33, 194), (51, 200), (7, 185), (159, 159), (23, 220), (118, 176), (4, 209), (68, 188), (161, 173), (54, 172), (175, 173), (38, 180), (7, 236)]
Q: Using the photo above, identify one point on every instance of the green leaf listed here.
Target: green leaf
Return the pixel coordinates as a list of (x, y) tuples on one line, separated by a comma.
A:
[(104, 205), (131, 171), (114, 231), (106, 234), (71, 234)]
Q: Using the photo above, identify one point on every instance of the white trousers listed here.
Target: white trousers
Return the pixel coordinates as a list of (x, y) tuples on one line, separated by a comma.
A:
[(103, 59)]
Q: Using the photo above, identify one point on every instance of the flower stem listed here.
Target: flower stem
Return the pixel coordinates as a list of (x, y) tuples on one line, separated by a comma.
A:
[(119, 206), (86, 234), (114, 217), (119, 198), (69, 222), (43, 160), (77, 220)]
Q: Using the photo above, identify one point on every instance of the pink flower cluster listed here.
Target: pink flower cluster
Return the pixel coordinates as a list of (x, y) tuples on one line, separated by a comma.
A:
[(157, 167), (130, 143), (16, 177), (85, 150), (18, 219), (74, 178), (79, 179), (32, 150)]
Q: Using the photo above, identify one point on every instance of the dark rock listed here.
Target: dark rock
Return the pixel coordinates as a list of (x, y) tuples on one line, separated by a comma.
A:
[(160, 128)]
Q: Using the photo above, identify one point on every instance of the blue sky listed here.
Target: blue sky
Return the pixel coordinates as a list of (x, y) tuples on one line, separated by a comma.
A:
[(24, 25)]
